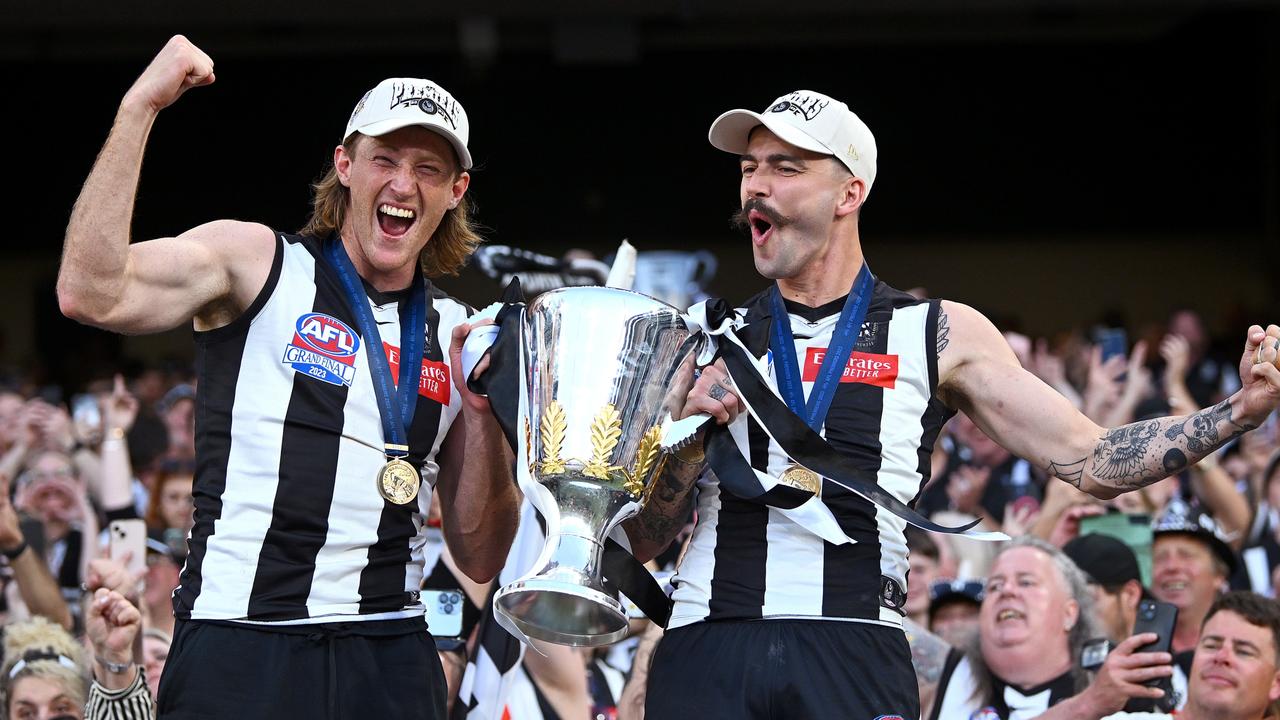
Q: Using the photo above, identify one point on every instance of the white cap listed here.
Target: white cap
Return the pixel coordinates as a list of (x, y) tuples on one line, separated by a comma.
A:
[(808, 120), (401, 102)]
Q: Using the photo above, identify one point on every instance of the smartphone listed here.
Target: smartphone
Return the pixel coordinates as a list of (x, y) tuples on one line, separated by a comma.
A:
[(1159, 618), (86, 415), (1113, 341), (128, 537), (444, 613)]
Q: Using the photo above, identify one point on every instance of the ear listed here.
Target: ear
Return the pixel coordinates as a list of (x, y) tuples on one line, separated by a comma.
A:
[(342, 164), (1273, 693), (1070, 614), (459, 188), (852, 193), (1131, 593)]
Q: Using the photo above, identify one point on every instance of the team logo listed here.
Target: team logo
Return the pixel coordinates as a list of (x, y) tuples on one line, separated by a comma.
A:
[(324, 348), (867, 368), (806, 106), (986, 713), (434, 380)]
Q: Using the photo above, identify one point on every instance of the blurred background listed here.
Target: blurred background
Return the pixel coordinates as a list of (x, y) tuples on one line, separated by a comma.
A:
[(1055, 164)]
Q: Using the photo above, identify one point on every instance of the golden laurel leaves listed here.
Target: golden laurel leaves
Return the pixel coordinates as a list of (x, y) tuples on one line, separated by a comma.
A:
[(552, 432), (650, 450), (605, 431)]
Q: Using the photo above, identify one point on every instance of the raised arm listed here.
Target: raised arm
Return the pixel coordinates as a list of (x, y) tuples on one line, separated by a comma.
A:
[(979, 374), (210, 273)]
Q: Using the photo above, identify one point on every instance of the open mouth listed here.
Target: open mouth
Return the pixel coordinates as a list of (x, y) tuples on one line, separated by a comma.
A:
[(761, 226), (1008, 614), (395, 221)]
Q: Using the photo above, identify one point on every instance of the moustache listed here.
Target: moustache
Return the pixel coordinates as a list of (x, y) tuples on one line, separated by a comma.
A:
[(741, 218)]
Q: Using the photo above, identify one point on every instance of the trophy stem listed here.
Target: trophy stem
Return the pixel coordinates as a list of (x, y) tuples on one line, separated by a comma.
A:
[(565, 601)]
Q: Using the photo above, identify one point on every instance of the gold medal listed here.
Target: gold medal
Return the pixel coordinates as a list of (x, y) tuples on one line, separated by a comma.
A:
[(398, 482), (801, 478)]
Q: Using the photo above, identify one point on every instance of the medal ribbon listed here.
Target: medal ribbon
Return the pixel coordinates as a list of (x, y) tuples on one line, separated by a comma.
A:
[(843, 339), (402, 396)]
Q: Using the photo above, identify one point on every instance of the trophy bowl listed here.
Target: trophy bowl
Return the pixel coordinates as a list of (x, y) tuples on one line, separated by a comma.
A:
[(602, 369)]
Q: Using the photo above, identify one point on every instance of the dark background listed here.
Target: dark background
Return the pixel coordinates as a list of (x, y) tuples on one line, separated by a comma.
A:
[(1048, 162)]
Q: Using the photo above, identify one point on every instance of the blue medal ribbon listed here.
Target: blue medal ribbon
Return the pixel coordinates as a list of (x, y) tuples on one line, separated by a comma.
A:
[(843, 339), (403, 395)]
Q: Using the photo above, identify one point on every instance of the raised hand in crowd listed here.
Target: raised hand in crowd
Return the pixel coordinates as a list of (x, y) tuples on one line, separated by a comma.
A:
[(1119, 680), (35, 583), (113, 625), (965, 486), (1067, 526), (1019, 518), (1103, 385), (1050, 368), (1176, 353), (1135, 386), (113, 574), (119, 409)]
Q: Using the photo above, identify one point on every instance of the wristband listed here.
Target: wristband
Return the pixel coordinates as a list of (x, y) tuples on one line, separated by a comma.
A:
[(15, 552), (113, 667)]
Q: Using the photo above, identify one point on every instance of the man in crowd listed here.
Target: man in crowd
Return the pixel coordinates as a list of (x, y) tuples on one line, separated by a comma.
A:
[(320, 401), (1114, 578), (1190, 565), (1236, 671), (876, 373)]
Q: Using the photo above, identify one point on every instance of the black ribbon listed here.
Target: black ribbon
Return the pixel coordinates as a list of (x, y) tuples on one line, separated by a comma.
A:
[(800, 443)]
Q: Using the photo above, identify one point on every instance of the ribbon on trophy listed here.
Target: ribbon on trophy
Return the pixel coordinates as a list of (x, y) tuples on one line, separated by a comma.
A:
[(503, 383)]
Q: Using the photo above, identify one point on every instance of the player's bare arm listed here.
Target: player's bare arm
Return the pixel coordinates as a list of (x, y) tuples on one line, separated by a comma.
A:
[(479, 504), (979, 374), (209, 273)]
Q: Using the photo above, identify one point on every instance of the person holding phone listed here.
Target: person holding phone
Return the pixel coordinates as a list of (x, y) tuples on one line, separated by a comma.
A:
[(1236, 671), (328, 405)]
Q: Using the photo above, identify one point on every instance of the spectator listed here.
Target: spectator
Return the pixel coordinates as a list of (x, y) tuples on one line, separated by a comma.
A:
[(120, 690), (1234, 675), (38, 589), (1190, 567), (177, 411), (44, 672), (50, 491), (953, 610), (170, 511), (924, 562), (1036, 615), (1112, 571)]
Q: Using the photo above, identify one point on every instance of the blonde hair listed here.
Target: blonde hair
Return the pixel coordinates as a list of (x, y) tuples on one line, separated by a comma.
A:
[(40, 637), (455, 238)]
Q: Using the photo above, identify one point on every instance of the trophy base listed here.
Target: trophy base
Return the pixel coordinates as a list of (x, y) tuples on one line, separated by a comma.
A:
[(563, 613)]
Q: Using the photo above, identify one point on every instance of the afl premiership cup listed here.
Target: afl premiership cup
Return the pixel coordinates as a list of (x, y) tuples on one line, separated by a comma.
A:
[(602, 368)]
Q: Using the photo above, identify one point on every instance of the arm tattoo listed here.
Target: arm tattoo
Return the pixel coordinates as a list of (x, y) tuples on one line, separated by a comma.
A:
[(1067, 471), (944, 329), (1138, 454), (668, 505)]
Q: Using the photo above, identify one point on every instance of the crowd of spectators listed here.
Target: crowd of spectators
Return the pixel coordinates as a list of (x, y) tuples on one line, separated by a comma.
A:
[(997, 630)]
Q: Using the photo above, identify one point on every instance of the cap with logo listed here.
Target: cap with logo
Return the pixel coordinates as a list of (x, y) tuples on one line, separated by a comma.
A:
[(808, 120), (400, 102), (1180, 518)]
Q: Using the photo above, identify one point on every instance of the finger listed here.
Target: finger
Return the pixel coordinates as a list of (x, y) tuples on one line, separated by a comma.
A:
[(1135, 641), (1268, 372), (1138, 356), (1253, 338), (118, 389)]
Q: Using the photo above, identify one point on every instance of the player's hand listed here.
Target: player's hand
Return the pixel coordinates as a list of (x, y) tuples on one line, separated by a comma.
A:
[(1259, 375), (459, 336), (179, 66), (713, 393)]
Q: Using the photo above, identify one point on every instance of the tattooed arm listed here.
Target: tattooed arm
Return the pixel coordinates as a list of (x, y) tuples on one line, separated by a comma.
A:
[(979, 375), (928, 658), (665, 514)]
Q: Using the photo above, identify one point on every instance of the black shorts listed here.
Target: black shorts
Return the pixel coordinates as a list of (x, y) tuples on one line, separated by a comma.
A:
[(794, 669), (376, 670)]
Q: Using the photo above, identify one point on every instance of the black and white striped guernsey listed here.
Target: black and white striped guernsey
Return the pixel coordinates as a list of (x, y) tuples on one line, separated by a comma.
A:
[(289, 527), (749, 561)]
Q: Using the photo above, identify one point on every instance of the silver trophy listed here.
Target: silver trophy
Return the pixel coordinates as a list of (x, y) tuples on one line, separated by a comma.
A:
[(602, 367)]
